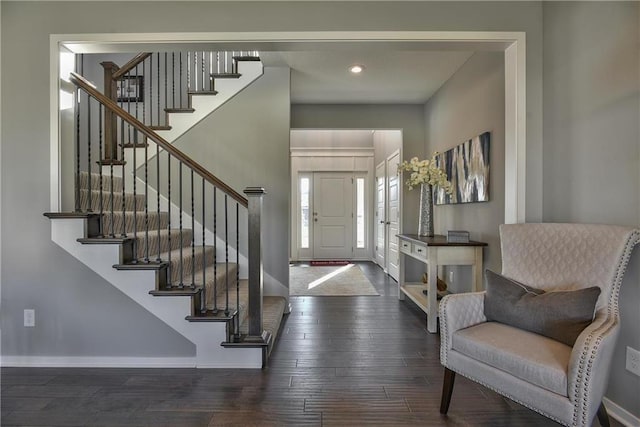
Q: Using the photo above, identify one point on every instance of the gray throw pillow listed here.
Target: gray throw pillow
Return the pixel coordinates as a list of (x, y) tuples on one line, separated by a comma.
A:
[(560, 315)]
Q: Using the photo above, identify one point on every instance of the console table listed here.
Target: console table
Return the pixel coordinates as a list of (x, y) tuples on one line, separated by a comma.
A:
[(435, 252)]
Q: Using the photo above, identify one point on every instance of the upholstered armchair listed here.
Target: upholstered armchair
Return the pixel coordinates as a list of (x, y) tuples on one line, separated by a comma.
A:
[(562, 382)]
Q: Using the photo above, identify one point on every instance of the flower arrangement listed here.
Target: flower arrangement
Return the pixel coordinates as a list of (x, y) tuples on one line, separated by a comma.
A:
[(425, 172)]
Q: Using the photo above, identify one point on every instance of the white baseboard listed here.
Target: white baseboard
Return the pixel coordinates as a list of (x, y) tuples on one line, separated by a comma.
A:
[(620, 414), (96, 362)]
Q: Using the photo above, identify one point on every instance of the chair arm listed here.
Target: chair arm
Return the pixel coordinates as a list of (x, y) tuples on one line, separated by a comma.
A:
[(589, 365), (458, 311)]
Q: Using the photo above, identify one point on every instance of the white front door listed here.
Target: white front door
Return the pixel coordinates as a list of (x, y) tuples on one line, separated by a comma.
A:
[(393, 214), (380, 226), (332, 215)]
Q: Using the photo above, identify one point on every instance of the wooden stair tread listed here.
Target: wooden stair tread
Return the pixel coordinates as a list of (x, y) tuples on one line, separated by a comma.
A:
[(152, 265), (247, 58), (70, 215), (202, 92), (226, 75), (109, 162), (135, 145), (210, 316), (173, 292), (179, 110)]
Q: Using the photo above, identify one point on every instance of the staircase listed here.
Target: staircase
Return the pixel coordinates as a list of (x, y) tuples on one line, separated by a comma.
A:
[(159, 226)]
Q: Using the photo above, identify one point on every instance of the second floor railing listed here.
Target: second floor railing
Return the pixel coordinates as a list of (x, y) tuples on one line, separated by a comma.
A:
[(150, 85)]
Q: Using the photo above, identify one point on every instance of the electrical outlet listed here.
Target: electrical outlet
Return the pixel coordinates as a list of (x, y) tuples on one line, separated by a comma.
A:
[(633, 360), (451, 276), (29, 318)]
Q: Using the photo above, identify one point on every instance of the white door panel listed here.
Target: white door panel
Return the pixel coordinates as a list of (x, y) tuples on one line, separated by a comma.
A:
[(380, 227), (393, 219), (332, 215)]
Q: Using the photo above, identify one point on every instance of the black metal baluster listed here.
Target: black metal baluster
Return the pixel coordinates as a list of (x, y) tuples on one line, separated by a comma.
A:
[(226, 254), (124, 207), (173, 78), (193, 237), (89, 208), (238, 267), (158, 259), (180, 210), (215, 252), (169, 268), (166, 97), (180, 85), (144, 98), (203, 73), (128, 100), (204, 258), (78, 207), (158, 86), (211, 71), (101, 220), (135, 199), (195, 70), (189, 71), (150, 90)]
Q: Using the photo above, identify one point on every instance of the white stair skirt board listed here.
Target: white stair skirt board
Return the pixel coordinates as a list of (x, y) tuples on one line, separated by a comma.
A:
[(207, 336)]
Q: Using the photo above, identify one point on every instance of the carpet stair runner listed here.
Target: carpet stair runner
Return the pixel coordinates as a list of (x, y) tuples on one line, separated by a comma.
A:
[(186, 265)]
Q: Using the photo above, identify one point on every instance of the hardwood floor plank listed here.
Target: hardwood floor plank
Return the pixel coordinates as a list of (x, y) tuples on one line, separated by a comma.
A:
[(49, 391), (265, 419), (23, 403), (328, 405)]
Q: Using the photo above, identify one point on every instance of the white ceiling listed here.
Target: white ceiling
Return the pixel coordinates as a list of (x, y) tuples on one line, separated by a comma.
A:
[(390, 77)]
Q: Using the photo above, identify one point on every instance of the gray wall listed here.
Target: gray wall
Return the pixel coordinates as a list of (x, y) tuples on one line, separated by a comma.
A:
[(245, 143), (470, 103), (591, 141), (408, 118)]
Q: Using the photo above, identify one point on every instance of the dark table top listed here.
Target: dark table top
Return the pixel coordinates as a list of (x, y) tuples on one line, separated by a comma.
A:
[(438, 240)]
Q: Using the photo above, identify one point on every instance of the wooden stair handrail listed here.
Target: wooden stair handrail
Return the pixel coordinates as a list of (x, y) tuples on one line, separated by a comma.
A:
[(85, 85), (130, 65)]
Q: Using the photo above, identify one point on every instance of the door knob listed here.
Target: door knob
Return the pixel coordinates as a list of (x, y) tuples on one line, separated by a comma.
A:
[(381, 222), (315, 219), (388, 222)]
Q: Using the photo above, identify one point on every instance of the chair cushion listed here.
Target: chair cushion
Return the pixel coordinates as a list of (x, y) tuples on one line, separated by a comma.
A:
[(530, 357), (560, 315)]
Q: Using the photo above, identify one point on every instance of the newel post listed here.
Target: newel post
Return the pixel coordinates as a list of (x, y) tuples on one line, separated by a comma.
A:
[(110, 123), (255, 197)]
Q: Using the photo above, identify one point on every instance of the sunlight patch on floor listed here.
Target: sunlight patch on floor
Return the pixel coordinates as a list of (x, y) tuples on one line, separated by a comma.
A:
[(326, 277)]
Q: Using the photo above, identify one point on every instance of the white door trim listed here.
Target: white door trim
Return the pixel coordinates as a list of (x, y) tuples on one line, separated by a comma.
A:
[(511, 43)]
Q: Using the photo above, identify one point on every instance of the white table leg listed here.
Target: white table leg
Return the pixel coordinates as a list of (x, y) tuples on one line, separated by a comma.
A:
[(432, 287), (476, 271), (401, 272)]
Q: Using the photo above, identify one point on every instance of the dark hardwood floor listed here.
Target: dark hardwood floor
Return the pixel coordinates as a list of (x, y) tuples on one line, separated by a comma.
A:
[(345, 361)]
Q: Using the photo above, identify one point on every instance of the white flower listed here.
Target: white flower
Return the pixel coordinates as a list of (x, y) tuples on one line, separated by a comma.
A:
[(425, 172)]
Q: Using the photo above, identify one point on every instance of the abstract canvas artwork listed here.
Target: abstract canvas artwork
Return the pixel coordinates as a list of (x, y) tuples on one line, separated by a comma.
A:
[(467, 168)]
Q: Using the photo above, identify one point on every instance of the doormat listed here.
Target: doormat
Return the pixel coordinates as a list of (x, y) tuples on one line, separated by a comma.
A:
[(346, 280), (326, 262)]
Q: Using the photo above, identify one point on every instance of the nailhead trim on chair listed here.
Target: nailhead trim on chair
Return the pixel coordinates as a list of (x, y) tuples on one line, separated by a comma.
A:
[(610, 321)]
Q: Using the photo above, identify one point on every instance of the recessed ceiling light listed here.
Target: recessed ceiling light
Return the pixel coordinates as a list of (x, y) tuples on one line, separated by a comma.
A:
[(356, 69)]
